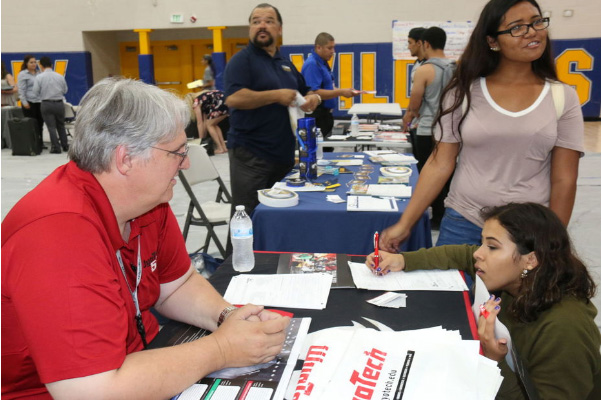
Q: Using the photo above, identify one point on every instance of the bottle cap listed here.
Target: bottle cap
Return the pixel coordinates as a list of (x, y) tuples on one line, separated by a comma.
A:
[(240, 207)]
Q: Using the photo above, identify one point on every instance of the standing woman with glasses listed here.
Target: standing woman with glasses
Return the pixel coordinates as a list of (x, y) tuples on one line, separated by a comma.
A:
[(30, 102), (508, 128)]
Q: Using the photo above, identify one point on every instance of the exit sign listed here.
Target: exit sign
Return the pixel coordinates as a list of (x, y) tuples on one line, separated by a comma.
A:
[(177, 19)]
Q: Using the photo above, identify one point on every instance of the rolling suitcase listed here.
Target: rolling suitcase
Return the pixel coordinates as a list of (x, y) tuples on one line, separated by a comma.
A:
[(24, 136)]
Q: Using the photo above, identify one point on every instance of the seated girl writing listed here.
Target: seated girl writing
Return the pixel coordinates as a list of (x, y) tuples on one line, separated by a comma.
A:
[(543, 294)]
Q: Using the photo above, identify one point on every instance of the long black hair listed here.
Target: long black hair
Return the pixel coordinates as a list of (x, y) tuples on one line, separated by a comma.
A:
[(478, 60), (26, 60), (536, 228)]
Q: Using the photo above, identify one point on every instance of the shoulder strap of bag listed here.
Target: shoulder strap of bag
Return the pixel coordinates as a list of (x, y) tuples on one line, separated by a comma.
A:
[(558, 97)]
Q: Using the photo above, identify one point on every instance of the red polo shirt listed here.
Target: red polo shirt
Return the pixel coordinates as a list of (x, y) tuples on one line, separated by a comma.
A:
[(66, 308)]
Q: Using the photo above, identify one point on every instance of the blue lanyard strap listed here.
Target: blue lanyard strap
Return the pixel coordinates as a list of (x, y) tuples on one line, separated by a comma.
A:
[(134, 294)]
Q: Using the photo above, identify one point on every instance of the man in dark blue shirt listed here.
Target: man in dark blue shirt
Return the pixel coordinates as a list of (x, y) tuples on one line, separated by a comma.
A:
[(318, 76), (260, 85)]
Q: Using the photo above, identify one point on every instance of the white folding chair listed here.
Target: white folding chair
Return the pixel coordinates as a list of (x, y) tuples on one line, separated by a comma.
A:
[(208, 214), (69, 118)]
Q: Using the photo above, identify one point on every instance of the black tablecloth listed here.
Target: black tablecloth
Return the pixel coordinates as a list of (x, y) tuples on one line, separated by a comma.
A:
[(449, 309)]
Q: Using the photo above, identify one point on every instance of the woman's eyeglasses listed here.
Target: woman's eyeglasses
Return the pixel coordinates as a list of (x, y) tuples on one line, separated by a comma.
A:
[(521, 30)]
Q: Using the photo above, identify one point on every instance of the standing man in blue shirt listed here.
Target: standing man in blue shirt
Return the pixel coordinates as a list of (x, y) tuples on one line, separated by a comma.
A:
[(319, 78), (51, 87), (260, 85)]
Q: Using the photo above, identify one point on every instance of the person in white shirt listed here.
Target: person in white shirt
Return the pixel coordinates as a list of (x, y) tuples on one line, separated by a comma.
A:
[(50, 87)]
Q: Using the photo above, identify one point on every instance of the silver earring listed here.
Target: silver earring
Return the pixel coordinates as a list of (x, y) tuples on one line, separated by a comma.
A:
[(495, 49), (524, 273)]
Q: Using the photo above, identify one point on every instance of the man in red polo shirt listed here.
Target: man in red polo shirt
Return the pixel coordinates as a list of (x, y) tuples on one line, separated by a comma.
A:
[(91, 249)]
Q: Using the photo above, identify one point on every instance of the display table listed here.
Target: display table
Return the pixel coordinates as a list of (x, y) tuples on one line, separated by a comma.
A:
[(316, 225), (450, 309)]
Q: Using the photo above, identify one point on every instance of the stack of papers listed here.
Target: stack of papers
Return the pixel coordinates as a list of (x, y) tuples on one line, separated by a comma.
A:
[(307, 187), (304, 291), (370, 204), (393, 158), (396, 190), (420, 280), (372, 153), (360, 363), (390, 137), (393, 180), (348, 162)]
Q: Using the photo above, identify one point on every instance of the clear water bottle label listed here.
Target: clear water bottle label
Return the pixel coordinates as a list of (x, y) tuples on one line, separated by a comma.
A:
[(242, 233)]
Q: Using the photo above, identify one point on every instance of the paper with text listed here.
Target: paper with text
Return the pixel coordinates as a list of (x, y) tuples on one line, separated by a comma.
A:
[(419, 280), (370, 204), (305, 291)]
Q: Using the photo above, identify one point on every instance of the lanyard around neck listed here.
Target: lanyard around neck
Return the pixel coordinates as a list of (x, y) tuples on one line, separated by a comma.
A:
[(134, 294)]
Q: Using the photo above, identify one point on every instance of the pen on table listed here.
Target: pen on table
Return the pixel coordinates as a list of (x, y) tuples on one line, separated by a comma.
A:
[(376, 257)]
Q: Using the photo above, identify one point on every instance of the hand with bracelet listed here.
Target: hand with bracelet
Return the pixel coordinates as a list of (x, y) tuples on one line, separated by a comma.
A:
[(313, 100), (249, 335), (262, 316)]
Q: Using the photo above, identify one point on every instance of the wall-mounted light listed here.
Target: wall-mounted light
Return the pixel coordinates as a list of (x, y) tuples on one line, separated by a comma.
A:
[(546, 14), (567, 13)]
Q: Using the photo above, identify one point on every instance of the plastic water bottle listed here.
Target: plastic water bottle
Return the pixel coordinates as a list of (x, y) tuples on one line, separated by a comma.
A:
[(319, 140), (241, 229), (355, 125)]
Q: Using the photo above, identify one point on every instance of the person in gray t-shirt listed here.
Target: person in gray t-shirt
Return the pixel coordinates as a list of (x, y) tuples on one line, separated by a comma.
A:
[(505, 129)]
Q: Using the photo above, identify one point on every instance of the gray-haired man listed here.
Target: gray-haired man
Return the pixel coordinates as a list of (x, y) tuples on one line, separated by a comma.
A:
[(91, 249)]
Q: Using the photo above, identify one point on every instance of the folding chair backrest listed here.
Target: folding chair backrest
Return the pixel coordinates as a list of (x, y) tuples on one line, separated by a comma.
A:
[(69, 112), (201, 167)]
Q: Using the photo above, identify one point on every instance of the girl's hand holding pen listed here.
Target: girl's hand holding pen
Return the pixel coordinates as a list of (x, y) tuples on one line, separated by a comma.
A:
[(388, 262)]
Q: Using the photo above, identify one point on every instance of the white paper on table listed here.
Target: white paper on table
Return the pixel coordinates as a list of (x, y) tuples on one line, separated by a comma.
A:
[(455, 361), (389, 300), (372, 153), (337, 137), (305, 291), (335, 199), (488, 380), (481, 295), (397, 190), (370, 204), (348, 162), (346, 363), (308, 187), (397, 157), (419, 280)]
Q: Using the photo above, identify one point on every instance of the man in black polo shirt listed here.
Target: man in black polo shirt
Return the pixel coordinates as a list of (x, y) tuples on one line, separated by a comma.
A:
[(260, 84)]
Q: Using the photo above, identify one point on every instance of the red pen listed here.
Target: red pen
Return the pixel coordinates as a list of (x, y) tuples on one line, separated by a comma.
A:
[(376, 257)]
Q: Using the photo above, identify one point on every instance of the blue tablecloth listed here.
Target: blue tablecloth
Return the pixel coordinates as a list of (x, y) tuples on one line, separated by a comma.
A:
[(315, 225)]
